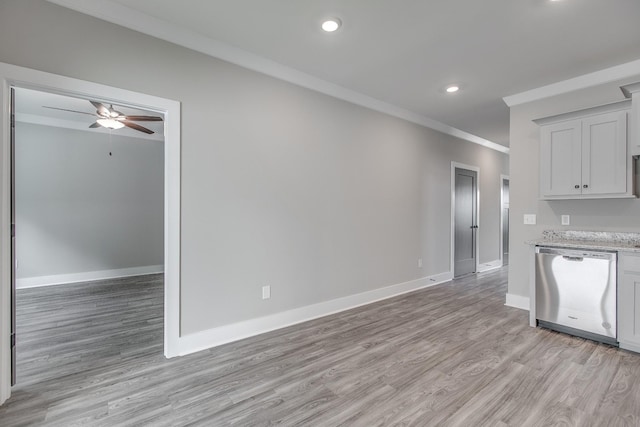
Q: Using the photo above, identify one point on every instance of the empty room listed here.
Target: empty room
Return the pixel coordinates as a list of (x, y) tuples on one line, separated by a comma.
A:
[(319, 213)]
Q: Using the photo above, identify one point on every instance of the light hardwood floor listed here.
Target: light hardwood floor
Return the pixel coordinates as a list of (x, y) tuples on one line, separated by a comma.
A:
[(451, 355)]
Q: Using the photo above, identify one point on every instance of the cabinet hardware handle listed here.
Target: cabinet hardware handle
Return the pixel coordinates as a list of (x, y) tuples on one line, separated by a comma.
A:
[(585, 186), (577, 186)]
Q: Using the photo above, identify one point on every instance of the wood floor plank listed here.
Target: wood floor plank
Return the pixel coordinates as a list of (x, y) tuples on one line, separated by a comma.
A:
[(451, 355), (594, 378), (622, 397)]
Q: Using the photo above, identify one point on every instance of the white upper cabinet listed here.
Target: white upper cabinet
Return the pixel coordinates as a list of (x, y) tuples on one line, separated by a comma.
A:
[(633, 91), (604, 154), (561, 159), (584, 154)]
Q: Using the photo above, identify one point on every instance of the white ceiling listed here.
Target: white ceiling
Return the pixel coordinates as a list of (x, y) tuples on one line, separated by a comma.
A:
[(404, 52)]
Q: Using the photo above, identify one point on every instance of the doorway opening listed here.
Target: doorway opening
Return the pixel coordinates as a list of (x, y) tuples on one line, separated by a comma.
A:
[(12, 76), (88, 225), (504, 219), (464, 219)]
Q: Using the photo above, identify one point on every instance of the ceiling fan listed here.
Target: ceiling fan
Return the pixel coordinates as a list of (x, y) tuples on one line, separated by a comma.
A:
[(111, 118)]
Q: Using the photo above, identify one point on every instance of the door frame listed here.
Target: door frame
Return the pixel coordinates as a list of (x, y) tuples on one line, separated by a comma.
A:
[(475, 169), (15, 76), (502, 179)]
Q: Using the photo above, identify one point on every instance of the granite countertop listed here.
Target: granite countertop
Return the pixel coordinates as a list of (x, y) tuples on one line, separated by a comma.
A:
[(596, 240)]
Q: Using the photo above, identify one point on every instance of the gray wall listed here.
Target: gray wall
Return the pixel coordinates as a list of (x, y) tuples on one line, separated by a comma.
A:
[(79, 209), (280, 185), (606, 215)]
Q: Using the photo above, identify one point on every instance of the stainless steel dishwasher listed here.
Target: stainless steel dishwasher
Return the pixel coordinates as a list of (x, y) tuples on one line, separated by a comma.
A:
[(576, 292)]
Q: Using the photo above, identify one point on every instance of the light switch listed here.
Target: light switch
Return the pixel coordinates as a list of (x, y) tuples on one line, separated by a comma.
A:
[(566, 220), (530, 219)]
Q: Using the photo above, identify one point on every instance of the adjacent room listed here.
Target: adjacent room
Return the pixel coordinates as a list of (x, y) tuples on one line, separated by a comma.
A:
[(319, 213), (88, 214)]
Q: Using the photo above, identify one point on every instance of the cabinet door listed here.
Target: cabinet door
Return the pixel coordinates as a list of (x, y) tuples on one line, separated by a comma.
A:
[(560, 159), (629, 303), (634, 137), (604, 153)]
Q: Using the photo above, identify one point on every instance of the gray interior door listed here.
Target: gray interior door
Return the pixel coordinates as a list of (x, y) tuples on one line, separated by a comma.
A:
[(505, 222), (13, 240), (465, 221)]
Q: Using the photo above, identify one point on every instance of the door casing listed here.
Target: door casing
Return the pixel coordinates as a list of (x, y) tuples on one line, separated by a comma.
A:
[(15, 76), (475, 169), (12, 220)]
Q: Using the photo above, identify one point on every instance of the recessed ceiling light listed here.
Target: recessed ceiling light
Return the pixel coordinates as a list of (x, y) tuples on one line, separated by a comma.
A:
[(452, 89), (330, 25)]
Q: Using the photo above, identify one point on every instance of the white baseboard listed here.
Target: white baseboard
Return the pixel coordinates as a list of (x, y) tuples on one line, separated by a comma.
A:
[(486, 266), (59, 279), (517, 301), (198, 341)]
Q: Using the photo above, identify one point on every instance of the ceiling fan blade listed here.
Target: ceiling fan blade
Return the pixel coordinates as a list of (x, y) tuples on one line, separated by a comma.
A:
[(144, 118), (102, 110), (71, 111), (95, 125), (136, 126)]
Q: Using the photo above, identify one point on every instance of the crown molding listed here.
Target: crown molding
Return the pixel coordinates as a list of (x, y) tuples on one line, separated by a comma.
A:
[(629, 90), (607, 75), (143, 23), (624, 105)]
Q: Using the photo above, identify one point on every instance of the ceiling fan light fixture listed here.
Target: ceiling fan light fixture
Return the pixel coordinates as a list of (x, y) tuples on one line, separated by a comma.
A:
[(113, 119), (110, 123), (332, 24)]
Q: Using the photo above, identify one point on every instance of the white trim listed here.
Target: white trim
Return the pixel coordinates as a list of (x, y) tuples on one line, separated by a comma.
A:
[(12, 75), (5, 245), (622, 71), (198, 341), (517, 301), (630, 89), (532, 286), (502, 179), (86, 276), (475, 169), (491, 265), (623, 105), (124, 16), (81, 126)]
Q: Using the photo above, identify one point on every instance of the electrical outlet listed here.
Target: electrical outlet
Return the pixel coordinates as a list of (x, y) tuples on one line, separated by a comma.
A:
[(419, 262), (566, 220), (530, 219), (266, 292)]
